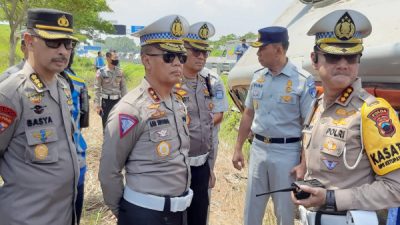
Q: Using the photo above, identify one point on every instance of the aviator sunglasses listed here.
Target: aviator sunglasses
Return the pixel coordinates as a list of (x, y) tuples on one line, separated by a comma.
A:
[(169, 57), (56, 43), (333, 59), (197, 52)]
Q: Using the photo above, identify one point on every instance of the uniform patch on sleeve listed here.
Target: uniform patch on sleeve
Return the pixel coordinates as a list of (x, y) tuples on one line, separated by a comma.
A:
[(219, 94), (7, 116), (311, 89), (126, 123)]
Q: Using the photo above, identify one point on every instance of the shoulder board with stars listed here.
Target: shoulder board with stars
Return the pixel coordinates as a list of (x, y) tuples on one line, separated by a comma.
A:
[(36, 81), (126, 123)]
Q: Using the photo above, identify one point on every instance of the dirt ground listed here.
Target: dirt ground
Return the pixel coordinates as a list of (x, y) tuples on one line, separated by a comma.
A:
[(227, 198)]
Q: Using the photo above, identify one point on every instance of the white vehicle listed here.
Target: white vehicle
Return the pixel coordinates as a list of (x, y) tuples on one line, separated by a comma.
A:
[(380, 63)]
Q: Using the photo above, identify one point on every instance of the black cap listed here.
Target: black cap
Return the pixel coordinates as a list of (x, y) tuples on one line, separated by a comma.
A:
[(51, 23)]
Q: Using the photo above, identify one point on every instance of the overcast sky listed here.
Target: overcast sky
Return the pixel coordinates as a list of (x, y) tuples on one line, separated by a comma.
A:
[(228, 16)]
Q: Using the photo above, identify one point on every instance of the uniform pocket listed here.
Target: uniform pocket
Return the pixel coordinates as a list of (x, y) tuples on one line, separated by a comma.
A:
[(41, 153), (287, 99), (117, 81), (166, 141)]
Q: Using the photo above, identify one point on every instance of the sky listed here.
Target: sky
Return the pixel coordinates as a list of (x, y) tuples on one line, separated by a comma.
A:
[(228, 16)]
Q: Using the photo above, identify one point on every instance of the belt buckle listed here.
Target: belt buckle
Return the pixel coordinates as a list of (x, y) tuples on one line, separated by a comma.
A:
[(267, 140)]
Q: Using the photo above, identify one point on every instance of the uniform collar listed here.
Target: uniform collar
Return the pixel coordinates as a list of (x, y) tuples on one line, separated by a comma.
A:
[(287, 69)]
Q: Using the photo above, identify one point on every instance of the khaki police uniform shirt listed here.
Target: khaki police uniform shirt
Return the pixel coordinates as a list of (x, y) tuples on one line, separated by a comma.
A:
[(329, 131), (150, 139), (281, 102), (197, 98), (37, 154), (109, 82)]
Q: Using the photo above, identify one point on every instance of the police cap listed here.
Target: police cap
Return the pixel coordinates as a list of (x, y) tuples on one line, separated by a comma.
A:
[(51, 23), (165, 33), (198, 36), (269, 35), (341, 32)]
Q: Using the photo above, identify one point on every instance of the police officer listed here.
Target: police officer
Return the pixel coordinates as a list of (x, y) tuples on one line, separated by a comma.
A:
[(278, 100), (345, 122), (109, 86), (37, 154), (80, 114), (18, 66), (146, 134), (196, 91)]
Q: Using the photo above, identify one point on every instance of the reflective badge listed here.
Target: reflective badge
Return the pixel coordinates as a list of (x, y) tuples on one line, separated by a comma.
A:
[(380, 137), (42, 135), (7, 116), (162, 133), (38, 109), (163, 149), (330, 164), (126, 123), (41, 151)]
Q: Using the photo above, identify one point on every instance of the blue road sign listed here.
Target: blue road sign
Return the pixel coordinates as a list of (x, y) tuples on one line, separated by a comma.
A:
[(136, 28)]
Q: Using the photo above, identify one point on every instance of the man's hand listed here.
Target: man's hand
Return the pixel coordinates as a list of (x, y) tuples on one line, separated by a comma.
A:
[(299, 171), (316, 199), (238, 160), (99, 110), (213, 179)]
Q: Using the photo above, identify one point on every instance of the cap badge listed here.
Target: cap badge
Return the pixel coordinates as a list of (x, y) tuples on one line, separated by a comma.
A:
[(63, 21), (203, 32), (345, 28), (177, 28)]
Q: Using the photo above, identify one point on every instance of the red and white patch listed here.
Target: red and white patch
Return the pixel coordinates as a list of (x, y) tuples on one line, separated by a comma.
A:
[(126, 123), (7, 116)]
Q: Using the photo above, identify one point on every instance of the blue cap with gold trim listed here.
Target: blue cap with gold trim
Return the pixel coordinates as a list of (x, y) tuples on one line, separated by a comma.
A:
[(198, 36), (341, 32), (269, 35), (165, 33), (51, 23)]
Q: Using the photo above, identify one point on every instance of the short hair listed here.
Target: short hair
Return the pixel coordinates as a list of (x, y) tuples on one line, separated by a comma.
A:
[(285, 45), (145, 49), (108, 54)]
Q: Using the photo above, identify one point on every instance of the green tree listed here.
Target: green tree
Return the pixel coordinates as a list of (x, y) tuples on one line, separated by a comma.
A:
[(120, 44), (85, 12)]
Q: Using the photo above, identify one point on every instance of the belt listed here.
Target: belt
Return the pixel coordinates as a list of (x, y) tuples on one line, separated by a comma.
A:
[(158, 203), (111, 97), (269, 140), (198, 160)]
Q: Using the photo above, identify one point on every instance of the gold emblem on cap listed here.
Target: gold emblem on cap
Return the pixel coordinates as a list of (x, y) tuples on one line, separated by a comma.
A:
[(345, 28), (63, 21), (203, 32), (41, 152), (177, 28)]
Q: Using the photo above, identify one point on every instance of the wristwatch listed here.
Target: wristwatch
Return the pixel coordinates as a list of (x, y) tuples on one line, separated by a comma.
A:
[(330, 201)]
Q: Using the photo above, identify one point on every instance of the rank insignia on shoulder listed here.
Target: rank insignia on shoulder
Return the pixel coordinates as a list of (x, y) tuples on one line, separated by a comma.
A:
[(126, 123), (163, 149), (36, 81), (7, 116), (41, 152)]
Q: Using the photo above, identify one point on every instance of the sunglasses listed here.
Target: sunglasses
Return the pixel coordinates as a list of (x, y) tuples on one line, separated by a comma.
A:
[(169, 57), (56, 43), (334, 59), (197, 52)]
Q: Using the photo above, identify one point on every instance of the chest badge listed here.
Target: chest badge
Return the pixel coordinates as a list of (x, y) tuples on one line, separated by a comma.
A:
[(41, 152), (289, 86), (163, 149), (162, 133)]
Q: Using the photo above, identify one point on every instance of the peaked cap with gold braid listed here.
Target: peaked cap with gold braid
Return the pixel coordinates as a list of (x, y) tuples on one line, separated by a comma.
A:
[(51, 23), (166, 33), (341, 32), (198, 36)]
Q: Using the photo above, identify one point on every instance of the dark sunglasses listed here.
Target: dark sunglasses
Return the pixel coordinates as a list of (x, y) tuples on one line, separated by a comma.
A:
[(169, 57), (56, 43), (333, 59), (197, 52)]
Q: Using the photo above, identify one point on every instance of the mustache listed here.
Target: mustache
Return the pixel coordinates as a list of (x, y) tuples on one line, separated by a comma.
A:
[(59, 59)]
